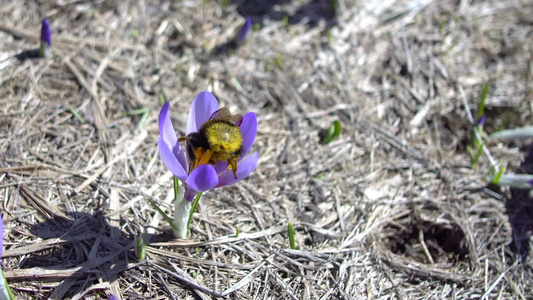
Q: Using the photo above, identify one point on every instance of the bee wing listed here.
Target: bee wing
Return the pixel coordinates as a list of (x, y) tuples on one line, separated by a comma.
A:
[(225, 115)]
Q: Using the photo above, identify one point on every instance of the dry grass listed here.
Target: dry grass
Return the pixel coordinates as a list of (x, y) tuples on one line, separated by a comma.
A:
[(390, 210)]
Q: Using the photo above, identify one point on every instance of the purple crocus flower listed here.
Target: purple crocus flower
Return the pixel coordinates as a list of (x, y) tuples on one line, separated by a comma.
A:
[(244, 30), (46, 33), (46, 40), (205, 176)]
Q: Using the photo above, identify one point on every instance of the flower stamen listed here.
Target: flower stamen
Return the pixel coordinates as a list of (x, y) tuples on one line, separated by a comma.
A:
[(201, 157)]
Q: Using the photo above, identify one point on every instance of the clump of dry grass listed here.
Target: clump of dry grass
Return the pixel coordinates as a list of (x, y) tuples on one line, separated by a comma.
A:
[(391, 209)]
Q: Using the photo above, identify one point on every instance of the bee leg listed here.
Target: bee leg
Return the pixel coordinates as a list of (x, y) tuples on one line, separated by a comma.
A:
[(232, 165)]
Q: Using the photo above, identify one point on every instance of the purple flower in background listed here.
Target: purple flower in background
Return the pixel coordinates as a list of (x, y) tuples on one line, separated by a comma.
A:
[(46, 40), (481, 120), (244, 30), (46, 34), (197, 174)]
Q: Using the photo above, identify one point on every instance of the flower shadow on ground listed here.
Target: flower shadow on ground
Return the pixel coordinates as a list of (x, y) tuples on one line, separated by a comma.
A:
[(520, 211), (83, 240), (314, 11)]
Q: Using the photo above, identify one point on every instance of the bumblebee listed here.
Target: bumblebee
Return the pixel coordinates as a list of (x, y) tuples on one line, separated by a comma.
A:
[(219, 139)]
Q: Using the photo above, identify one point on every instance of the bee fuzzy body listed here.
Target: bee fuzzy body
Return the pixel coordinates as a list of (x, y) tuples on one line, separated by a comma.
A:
[(219, 139)]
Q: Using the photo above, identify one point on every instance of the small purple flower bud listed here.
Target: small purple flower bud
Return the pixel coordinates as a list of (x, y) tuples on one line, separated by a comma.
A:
[(244, 30), (46, 34), (481, 120)]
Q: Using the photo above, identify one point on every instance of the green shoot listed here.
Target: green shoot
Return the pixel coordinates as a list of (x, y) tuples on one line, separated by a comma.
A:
[(481, 107), (517, 181), (278, 62), (141, 248), (162, 99), (75, 113), (292, 241), (498, 175), (194, 205), (286, 20), (333, 132), (475, 158), (135, 32), (176, 187), (145, 112), (165, 216), (330, 36)]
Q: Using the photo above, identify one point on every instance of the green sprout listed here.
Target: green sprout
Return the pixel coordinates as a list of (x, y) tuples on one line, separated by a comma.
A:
[(193, 209), (517, 181), (165, 216), (330, 36), (334, 131), (286, 20), (75, 113), (475, 157), (292, 241), (476, 135), (279, 61), (499, 173), (144, 112), (135, 32), (141, 248), (481, 107)]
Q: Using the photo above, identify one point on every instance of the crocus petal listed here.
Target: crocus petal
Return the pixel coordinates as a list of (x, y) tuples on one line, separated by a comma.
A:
[(171, 161), (221, 167), (245, 167), (202, 178), (46, 33), (248, 129), (202, 107), (166, 129), (244, 30)]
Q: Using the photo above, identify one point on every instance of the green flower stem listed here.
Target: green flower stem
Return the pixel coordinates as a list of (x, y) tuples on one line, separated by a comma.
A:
[(194, 205), (5, 291), (45, 50), (182, 211)]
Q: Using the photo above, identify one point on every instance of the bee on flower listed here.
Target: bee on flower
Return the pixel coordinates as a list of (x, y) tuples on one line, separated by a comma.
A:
[(216, 147)]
